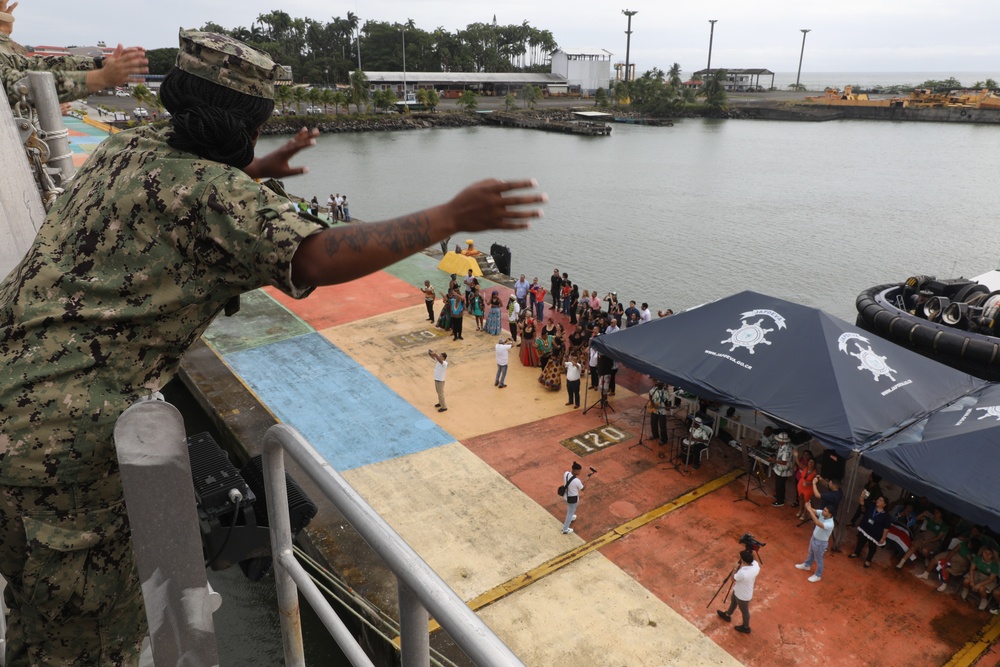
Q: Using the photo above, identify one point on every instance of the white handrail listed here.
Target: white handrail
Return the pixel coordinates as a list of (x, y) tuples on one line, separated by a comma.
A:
[(421, 590)]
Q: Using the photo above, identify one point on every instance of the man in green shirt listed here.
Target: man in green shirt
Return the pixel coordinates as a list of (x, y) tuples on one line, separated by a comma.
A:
[(982, 576)]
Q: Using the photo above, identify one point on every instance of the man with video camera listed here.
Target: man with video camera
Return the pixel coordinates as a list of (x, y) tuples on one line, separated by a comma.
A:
[(743, 580)]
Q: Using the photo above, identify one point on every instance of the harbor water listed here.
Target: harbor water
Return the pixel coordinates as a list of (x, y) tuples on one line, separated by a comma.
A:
[(676, 216)]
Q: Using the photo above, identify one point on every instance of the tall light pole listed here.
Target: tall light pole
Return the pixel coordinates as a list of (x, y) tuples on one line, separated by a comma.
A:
[(359, 47), (405, 98), (804, 32), (711, 35), (628, 39)]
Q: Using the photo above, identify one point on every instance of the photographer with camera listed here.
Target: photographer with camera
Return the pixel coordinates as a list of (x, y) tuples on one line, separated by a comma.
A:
[(571, 488), (743, 577)]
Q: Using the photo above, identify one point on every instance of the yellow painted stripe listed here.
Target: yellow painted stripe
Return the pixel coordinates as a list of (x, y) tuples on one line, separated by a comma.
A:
[(977, 646), (564, 559)]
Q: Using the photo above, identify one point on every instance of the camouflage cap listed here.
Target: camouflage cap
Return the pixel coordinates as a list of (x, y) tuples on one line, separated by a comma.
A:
[(227, 62)]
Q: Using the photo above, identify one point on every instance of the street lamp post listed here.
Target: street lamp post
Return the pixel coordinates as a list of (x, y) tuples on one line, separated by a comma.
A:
[(359, 47), (628, 39), (711, 36), (404, 64), (799, 74)]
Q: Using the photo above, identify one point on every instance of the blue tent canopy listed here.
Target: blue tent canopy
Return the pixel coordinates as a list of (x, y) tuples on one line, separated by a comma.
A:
[(799, 364), (952, 457)]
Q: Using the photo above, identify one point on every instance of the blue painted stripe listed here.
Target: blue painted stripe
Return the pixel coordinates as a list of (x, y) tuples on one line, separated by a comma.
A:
[(362, 421)]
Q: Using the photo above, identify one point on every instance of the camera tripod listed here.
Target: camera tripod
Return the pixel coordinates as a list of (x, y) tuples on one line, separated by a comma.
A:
[(602, 401), (751, 473), (642, 429), (729, 578)]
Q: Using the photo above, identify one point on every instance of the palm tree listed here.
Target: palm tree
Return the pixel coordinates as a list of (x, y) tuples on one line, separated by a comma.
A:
[(299, 95), (340, 100), (315, 96), (327, 98), (359, 89), (433, 99), (601, 98), (283, 94), (468, 100), (715, 90), (144, 97), (674, 76)]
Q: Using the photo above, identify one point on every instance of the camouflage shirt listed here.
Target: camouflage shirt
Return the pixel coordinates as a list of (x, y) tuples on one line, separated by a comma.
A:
[(70, 73), (128, 269)]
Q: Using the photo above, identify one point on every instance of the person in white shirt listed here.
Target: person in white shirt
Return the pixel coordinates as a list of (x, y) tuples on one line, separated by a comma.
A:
[(513, 312), (572, 495), (503, 354), (743, 580), (339, 203), (573, 371), (644, 314), (440, 369)]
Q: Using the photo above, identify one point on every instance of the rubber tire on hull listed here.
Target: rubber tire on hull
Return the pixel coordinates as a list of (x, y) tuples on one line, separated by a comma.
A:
[(902, 328)]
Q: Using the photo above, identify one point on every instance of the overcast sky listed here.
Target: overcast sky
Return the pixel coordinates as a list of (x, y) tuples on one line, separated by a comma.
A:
[(947, 36)]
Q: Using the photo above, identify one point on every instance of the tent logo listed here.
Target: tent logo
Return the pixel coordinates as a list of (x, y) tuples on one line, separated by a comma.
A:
[(992, 411), (750, 335), (870, 361)]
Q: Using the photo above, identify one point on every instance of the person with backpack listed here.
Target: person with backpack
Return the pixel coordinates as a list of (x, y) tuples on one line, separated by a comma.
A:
[(570, 492)]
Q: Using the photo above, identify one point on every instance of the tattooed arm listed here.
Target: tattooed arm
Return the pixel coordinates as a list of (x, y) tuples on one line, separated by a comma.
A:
[(348, 252)]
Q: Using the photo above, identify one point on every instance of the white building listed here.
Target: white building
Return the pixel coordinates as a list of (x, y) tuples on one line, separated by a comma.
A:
[(587, 69)]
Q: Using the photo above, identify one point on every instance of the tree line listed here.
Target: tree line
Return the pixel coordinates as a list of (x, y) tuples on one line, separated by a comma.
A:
[(325, 53)]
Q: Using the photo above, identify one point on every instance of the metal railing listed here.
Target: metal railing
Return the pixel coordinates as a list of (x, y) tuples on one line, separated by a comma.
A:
[(421, 590)]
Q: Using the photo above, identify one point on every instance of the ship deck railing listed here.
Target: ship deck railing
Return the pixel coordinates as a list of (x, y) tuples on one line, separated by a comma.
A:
[(421, 590)]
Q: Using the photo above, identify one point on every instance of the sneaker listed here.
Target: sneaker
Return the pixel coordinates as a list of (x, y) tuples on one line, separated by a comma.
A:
[(777, 504), (923, 575), (567, 531), (995, 611), (802, 566), (742, 628), (573, 519), (813, 579), (437, 405), (442, 409), (942, 588), (723, 615), (983, 603)]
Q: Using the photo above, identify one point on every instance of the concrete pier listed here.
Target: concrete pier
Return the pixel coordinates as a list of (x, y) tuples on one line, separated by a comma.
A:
[(473, 491)]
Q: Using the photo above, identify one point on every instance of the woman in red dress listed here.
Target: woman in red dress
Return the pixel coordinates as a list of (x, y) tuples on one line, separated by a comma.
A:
[(529, 354)]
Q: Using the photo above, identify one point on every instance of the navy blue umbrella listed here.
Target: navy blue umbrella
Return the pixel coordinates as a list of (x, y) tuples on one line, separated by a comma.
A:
[(845, 386), (952, 457)]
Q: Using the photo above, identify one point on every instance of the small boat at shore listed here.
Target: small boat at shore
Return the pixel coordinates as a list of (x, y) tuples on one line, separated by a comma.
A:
[(955, 321)]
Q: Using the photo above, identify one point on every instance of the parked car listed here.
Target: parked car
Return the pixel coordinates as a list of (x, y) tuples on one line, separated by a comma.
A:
[(140, 112), (123, 93), (317, 110)]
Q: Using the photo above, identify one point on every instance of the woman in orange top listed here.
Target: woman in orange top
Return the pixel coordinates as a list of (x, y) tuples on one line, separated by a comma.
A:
[(805, 486)]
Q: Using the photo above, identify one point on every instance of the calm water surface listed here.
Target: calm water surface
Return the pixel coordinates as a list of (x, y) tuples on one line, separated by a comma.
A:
[(811, 212)]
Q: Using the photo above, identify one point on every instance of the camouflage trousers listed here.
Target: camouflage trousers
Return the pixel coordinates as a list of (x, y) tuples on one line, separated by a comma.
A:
[(73, 589)]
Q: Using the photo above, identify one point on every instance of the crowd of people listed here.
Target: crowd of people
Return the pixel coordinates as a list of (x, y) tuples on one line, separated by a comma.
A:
[(558, 351), (962, 557), (337, 208)]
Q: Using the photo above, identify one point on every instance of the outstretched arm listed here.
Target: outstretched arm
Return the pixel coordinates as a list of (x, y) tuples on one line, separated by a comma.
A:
[(344, 253), (275, 164), (118, 67)]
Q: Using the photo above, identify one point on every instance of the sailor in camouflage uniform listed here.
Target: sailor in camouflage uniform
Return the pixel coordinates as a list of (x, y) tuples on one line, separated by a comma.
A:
[(75, 77), (161, 228)]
